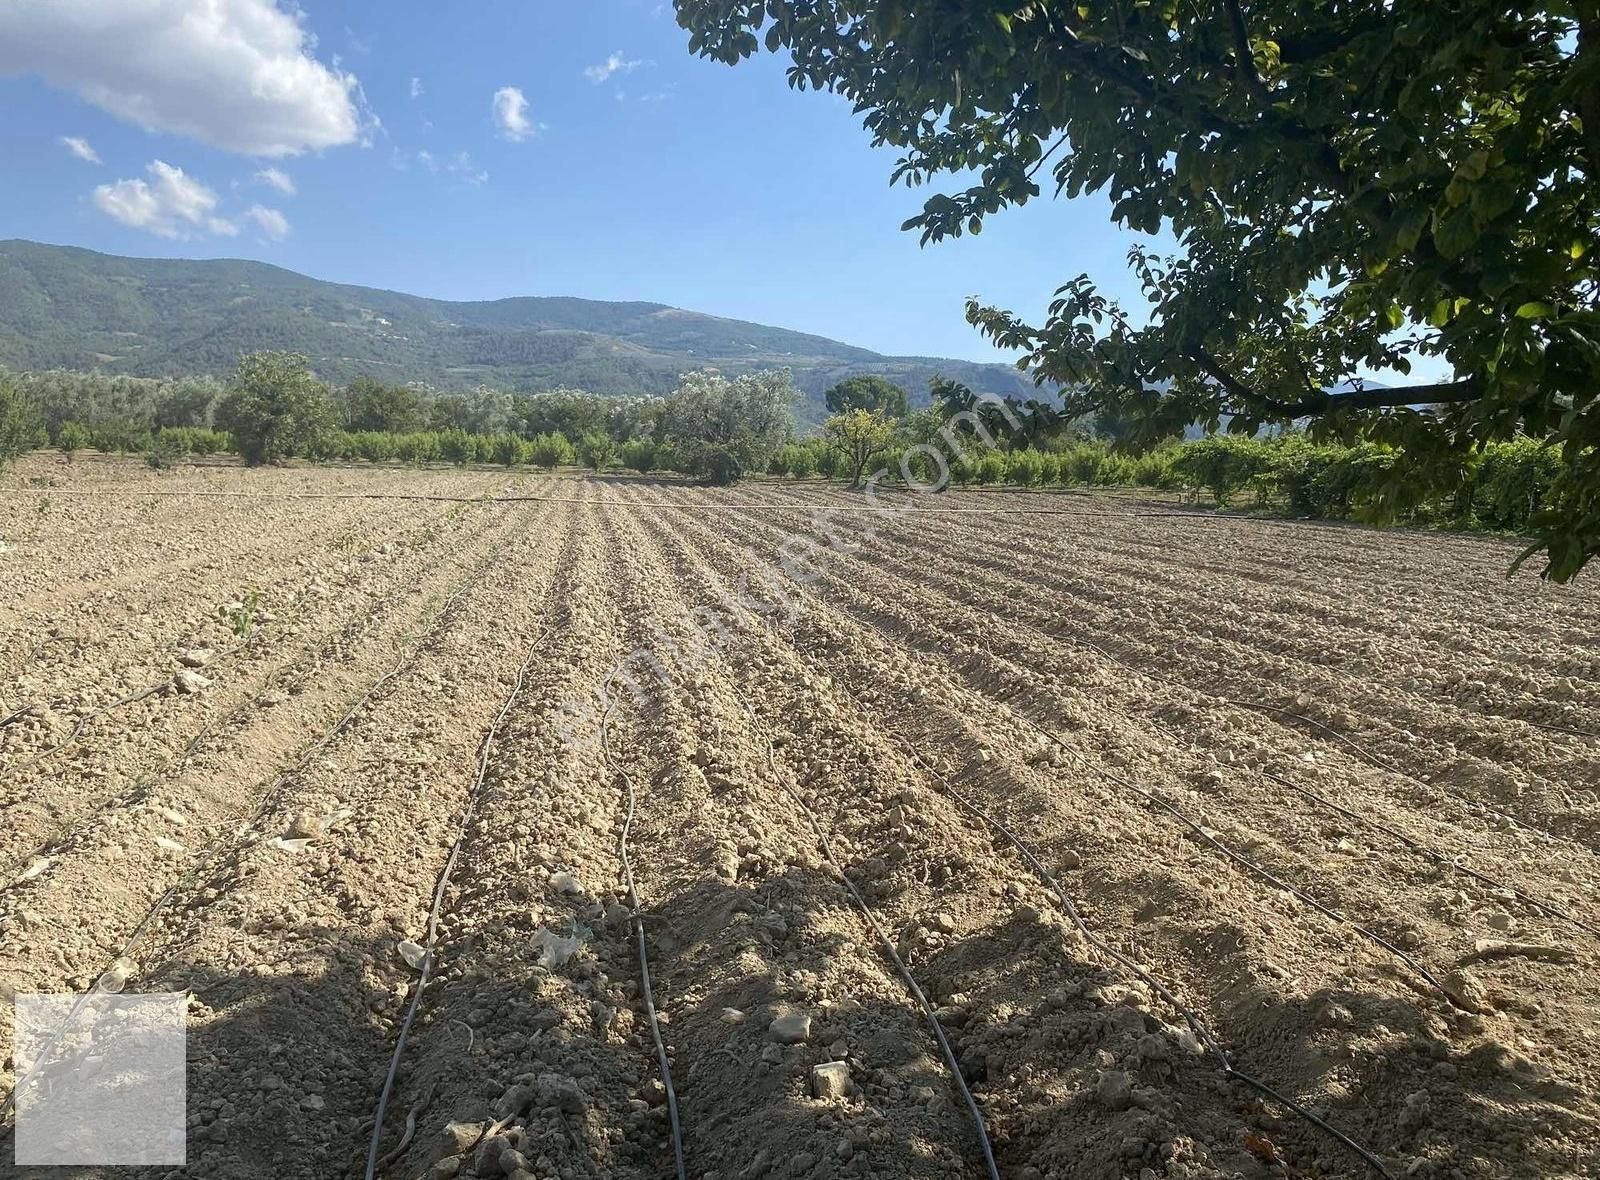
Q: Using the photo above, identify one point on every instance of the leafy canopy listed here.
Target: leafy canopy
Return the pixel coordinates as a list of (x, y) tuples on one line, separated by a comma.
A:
[(274, 407), (868, 392), (857, 435), (725, 428), (1353, 184), (21, 428), (373, 405)]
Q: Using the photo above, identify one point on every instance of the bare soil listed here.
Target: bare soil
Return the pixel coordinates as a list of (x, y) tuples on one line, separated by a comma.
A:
[(1215, 847)]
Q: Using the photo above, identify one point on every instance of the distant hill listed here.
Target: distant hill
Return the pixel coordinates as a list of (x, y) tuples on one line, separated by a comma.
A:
[(63, 307)]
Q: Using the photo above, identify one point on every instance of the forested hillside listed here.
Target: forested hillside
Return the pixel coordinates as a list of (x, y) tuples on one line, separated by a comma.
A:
[(62, 307)]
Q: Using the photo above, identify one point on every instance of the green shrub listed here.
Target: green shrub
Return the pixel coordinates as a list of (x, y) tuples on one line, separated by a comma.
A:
[(597, 451), (639, 454), (275, 408), (551, 450), (71, 437), (1221, 463), (1024, 469), (1512, 483)]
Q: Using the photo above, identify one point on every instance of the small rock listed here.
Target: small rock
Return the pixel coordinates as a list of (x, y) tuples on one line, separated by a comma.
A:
[(1502, 921), (461, 1136), (445, 1169), (830, 1080), (312, 1102), (486, 1160), (562, 1093), (1070, 859), (1114, 1089), (303, 825), (1467, 990), (196, 657), (513, 1161), (790, 1028), (566, 883), (188, 682), (514, 1101)]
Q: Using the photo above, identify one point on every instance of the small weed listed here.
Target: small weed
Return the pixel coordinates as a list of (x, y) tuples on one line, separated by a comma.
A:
[(241, 615), (44, 505)]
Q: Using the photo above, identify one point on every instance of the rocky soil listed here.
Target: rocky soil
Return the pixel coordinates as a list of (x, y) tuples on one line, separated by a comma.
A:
[(1110, 843)]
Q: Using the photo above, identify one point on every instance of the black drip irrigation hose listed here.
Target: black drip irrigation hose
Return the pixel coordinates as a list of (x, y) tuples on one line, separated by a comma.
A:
[(1191, 1017), (208, 856), (1196, 1025), (688, 506), (951, 1061), (1432, 855), (1427, 853), (1278, 711), (474, 793), (638, 929)]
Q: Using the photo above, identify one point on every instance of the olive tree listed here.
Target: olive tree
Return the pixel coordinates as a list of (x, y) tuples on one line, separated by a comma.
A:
[(274, 407), (21, 428), (1354, 186), (724, 428)]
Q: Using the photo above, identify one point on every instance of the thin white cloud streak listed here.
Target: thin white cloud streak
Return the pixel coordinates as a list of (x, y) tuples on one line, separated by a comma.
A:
[(278, 179), (269, 221), (80, 148)]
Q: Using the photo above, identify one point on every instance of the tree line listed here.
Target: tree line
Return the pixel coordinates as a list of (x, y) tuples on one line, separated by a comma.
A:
[(719, 430)]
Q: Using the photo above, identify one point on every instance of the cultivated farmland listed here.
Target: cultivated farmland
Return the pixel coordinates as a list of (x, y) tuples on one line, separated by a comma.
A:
[(1204, 846)]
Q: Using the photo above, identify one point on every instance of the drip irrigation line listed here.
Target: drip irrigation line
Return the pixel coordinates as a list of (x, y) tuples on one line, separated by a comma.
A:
[(951, 1061), (84, 721), (1199, 830), (207, 857), (139, 790), (691, 506), (1383, 764), (474, 793), (1278, 711), (1432, 855), (638, 928), (1196, 1025)]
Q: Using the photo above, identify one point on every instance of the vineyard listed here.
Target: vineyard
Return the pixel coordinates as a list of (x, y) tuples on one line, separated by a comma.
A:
[(497, 822)]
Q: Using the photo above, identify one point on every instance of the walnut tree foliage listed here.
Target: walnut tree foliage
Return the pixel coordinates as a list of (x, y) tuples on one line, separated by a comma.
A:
[(1352, 184)]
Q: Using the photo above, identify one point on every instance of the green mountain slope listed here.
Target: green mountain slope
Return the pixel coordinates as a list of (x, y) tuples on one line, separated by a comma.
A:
[(70, 308)]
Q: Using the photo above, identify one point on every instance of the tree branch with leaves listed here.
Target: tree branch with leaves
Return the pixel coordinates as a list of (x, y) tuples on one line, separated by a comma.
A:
[(1355, 186)]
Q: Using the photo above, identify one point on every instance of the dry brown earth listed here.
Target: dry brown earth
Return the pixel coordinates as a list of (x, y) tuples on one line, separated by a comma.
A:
[(1130, 795)]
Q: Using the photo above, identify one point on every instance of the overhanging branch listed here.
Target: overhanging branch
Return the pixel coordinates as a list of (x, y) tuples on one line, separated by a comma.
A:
[(1319, 401)]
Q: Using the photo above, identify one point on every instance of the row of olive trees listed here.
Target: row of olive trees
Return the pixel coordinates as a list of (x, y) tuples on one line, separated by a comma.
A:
[(712, 427)]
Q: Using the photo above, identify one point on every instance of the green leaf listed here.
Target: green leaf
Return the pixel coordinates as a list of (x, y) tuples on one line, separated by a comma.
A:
[(1535, 309)]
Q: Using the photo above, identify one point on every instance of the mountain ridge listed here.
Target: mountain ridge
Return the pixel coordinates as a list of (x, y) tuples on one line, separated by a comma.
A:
[(69, 307)]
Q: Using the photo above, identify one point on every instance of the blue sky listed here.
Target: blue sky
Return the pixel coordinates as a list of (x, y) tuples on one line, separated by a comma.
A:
[(621, 168)]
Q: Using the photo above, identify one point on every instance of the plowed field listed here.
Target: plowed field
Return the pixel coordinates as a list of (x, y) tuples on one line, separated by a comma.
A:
[(1107, 840)]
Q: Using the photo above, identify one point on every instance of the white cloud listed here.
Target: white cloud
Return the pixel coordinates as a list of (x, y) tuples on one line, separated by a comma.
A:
[(461, 164), (511, 113), (278, 179), (169, 205), (416, 88), (614, 64), (236, 74), (80, 148), (269, 221)]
